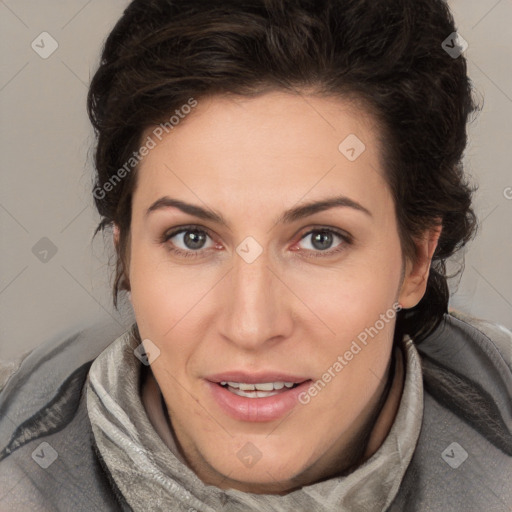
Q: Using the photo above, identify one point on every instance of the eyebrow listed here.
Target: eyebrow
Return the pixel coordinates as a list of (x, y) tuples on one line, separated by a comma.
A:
[(292, 215)]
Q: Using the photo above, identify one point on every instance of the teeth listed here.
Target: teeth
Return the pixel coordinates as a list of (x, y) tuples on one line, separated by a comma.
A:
[(265, 386), (260, 386)]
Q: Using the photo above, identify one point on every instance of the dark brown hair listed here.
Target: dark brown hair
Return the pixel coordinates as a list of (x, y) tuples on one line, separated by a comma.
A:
[(387, 54)]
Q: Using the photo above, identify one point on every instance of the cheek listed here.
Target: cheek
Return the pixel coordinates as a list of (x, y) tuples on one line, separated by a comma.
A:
[(169, 299), (153, 294), (355, 306), (351, 294)]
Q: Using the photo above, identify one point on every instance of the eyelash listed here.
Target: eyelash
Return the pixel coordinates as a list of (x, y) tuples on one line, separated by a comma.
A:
[(347, 239)]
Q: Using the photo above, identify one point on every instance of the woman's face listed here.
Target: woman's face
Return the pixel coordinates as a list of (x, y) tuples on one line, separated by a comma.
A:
[(274, 293)]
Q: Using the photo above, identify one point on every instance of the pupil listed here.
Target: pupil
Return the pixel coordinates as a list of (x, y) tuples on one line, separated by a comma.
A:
[(322, 236), (194, 239)]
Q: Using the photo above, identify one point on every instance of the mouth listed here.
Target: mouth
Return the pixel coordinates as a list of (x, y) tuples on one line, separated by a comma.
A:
[(258, 390), (256, 398)]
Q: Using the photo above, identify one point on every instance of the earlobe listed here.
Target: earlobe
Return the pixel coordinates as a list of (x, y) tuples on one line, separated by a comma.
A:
[(417, 272)]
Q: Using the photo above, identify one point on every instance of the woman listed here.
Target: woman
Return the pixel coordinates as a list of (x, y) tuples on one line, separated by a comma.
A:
[(284, 184)]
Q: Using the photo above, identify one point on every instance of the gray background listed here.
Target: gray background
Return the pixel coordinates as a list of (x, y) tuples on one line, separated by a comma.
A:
[(46, 178)]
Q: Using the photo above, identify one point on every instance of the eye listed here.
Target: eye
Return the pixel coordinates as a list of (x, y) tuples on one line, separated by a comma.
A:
[(323, 239), (191, 239)]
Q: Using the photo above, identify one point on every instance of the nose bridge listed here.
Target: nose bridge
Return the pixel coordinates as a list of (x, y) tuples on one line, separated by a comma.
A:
[(254, 306)]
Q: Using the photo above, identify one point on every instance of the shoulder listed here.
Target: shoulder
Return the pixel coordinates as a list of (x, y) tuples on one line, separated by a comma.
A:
[(471, 348), (10, 366), (30, 381), (47, 457), (493, 333), (463, 458), (467, 367)]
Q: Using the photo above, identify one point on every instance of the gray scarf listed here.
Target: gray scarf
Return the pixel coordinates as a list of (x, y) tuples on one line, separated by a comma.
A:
[(152, 475)]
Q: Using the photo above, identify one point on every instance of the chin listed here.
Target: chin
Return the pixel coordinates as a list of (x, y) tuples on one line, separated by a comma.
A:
[(254, 471)]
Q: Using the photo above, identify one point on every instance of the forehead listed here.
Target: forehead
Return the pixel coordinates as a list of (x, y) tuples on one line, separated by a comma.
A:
[(282, 123), (265, 148)]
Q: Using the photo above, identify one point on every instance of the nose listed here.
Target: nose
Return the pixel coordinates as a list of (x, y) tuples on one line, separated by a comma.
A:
[(256, 310)]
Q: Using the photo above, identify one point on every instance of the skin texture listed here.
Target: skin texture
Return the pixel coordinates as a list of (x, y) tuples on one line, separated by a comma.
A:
[(250, 159)]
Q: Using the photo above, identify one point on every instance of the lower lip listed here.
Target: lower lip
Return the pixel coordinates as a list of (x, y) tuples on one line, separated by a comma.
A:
[(256, 409)]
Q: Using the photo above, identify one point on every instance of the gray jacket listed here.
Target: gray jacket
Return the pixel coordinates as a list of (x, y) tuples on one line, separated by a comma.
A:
[(462, 462)]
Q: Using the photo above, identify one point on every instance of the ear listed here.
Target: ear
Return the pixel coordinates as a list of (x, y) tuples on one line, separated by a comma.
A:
[(116, 234), (416, 273), (116, 243)]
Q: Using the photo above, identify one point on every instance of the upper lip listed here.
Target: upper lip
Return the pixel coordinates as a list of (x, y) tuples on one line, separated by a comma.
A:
[(254, 378)]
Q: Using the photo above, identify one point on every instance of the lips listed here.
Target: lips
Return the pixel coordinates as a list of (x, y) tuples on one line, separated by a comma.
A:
[(254, 378), (232, 392)]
